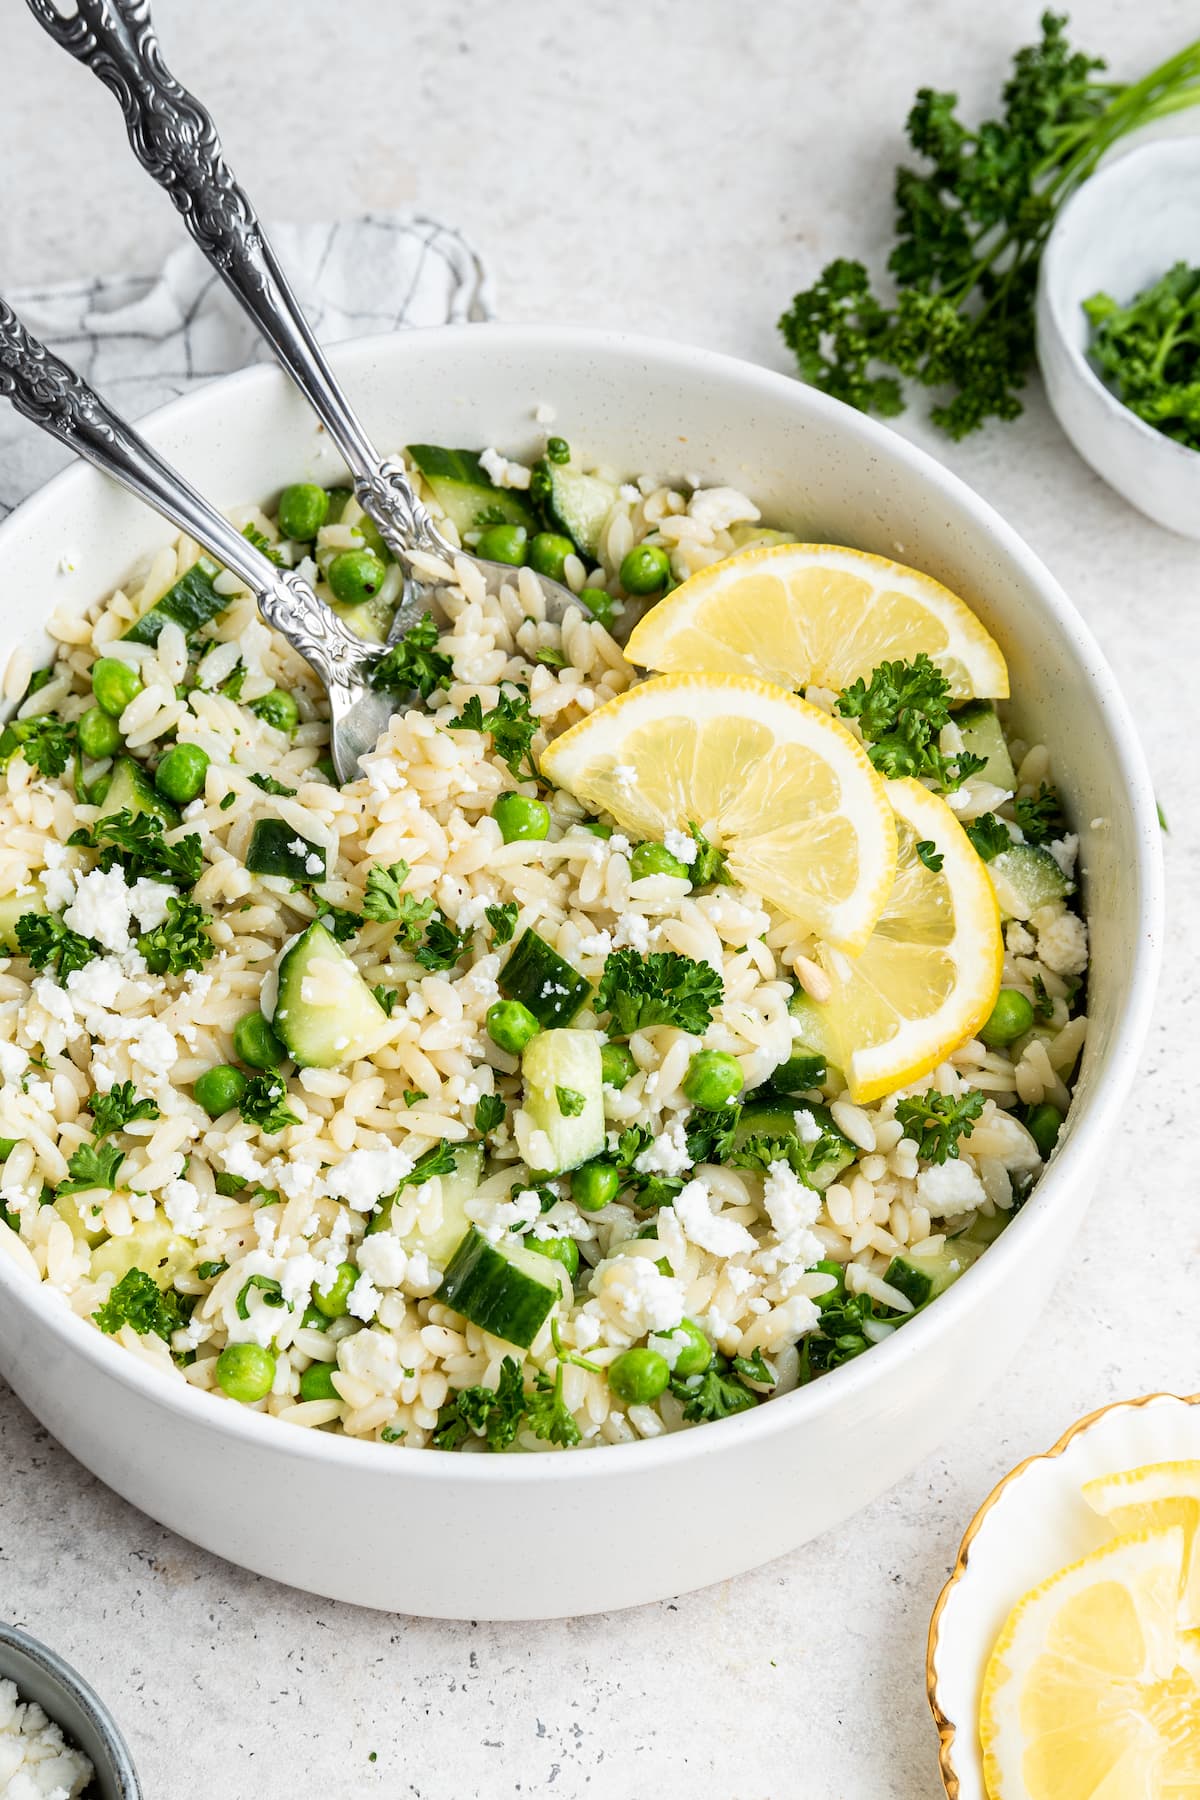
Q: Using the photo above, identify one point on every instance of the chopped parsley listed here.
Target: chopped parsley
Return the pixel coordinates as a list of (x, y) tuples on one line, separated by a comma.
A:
[(707, 868), (760, 1150), (990, 836), (208, 1271), (92, 1166), (502, 919), (497, 1414), (339, 921), (1043, 1005), (754, 1368), (137, 1300), (929, 854), (118, 1108), (659, 988), (383, 900), (180, 942), (48, 943), (490, 1111), (444, 945), (264, 1104), (716, 1394), (269, 785), (386, 996), (267, 1285), (135, 841), (47, 743), (415, 664), (935, 1122), (901, 711), (1040, 815), (1149, 351), (510, 722), (570, 1101)]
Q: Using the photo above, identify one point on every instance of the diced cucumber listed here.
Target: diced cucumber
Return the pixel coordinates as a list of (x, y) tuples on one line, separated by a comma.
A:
[(13, 907), (155, 1248), (575, 504), (746, 536), (813, 1037), (777, 1119), (440, 1241), (191, 603), (273, 851), (1025, 878), (502, 1288), (131, 790), (983, 735), (560, 1123), (339, 498), (922, 1278), (83, 1221), (543, 981), (325, 1013), (371, 619), (799, 1073), (465, 492)]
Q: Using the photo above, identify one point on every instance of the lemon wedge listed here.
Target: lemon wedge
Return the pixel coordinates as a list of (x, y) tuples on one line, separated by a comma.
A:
[(930, 973), (1152, 1497), (1085, 1696), (783, 789), (800, 614)]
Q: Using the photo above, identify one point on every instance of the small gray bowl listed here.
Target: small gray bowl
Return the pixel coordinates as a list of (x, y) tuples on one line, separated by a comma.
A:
[(65, 1697)]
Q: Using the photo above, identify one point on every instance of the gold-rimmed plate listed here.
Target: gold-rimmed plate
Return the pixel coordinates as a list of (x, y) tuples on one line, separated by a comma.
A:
[(1033, 1523)]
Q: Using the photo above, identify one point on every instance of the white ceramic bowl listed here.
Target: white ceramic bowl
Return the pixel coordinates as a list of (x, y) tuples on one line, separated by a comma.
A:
[(1138, 215), (444, 1535), (1032, 1524)]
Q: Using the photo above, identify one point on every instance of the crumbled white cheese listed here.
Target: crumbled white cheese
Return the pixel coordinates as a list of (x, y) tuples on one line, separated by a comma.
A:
[(1062, 945), (100, 908), (365, 1176), (706, 1229), (596, 943), (241, 1162), (682, 845), (721, 507), (632, 930), (668, 1154), (790, 1205), (181, 1203), (147, 901), (363, 1300), (501, 472), (950, 1187), (383, 1258), (624, 774), (544, 413), (36, 1762), (13, 1062), (807, 1129), (58, 883), (98, 983), (635, 1296), (1064, 850)]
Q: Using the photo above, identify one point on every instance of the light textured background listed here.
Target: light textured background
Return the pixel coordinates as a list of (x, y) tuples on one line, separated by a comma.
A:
[(678, 169)]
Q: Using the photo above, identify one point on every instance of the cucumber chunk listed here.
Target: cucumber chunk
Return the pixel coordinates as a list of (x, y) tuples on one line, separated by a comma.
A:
[(543, 981), (370, 619), (131, 790), (812, 1039), (275, 849), (466, 493), (561, 1122), (503, 1288), (155, 1248), (575, 504), (14, 907), (800, 1072), (922, 1278), (983, 735), (1025, 878), (191, 603), (325, 1013), (777, 1119), (440, 1241)]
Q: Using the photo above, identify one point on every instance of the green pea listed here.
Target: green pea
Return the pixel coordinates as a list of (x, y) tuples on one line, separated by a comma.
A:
[(219, 1089), (638, 1376), (277, 709), (644, 569), (504, 544), (316, 1383), (255, 1044), (1044, 1123), (245, 1372), (98, 734), (558, 450), (599, 604), (618, 1065), (115, 684), (713, 1079), (560, 1249), (511, 1025), (1010, 1018), (594, 1185), (655, 859), (180, 774), (355, 576), (697, 1352), (313, 1319), (548, 554), (333, 1300), (519, 817), (303, 509)]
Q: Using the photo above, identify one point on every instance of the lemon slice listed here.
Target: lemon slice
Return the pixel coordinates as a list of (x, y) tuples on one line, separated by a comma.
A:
[(782, 788), (1153, 1497), (1085, 1696), (801, 614), (929, 976)]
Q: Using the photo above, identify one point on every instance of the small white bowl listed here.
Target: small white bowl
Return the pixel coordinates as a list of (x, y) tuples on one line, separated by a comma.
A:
[(1124, 228), (1034, 1523)]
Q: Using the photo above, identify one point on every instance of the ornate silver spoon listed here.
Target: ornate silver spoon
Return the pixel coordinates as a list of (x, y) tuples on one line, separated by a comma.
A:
[(50, 393), (174, 138)]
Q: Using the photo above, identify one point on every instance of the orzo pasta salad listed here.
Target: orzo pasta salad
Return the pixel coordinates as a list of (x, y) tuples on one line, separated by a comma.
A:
[(647, 1032)]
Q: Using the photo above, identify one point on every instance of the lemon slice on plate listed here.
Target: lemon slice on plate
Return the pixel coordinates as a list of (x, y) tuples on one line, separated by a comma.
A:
[(801, 614), (929, 976), (1153, 1497), (1085, 1696), (783, 789)]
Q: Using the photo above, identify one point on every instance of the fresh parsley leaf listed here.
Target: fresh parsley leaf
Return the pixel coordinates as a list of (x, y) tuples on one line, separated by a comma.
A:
[(990, 836), (929, 854), (1040, 815), (384, 902), (660, 988), (503, 920), (710, 1135), (263, 544), (180, 942), (208, 1271), (550, 659), (412, 1095), (269, 785), (92, 1166), (570, 1101), (118, 1108), (708, 868), (339, 921), (754, 1368), (437, 1160), (1149, 351), (935, 1122), (267, 1285), (48, 943), (494, 1414), (444, 945), (490, 1111), (760, 1150), (264, 1104), (1043, 1005), (137, 1300), (386, 996), (47, 743), (901, 711), (415, 663), (135, 841), (546, 1411), (716, 1394), (510, 723)]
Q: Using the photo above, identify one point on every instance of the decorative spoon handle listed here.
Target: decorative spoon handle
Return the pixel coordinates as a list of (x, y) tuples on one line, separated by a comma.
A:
[(175, 140), (46, 390)]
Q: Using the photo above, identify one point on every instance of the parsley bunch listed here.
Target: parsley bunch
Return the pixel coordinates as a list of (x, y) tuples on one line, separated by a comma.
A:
[(498, 1414), (970, 229), (901, 711), (1149, 352), (661, 988)]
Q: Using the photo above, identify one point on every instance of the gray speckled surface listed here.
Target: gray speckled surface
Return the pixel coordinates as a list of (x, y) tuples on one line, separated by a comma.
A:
[(754, 143)]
